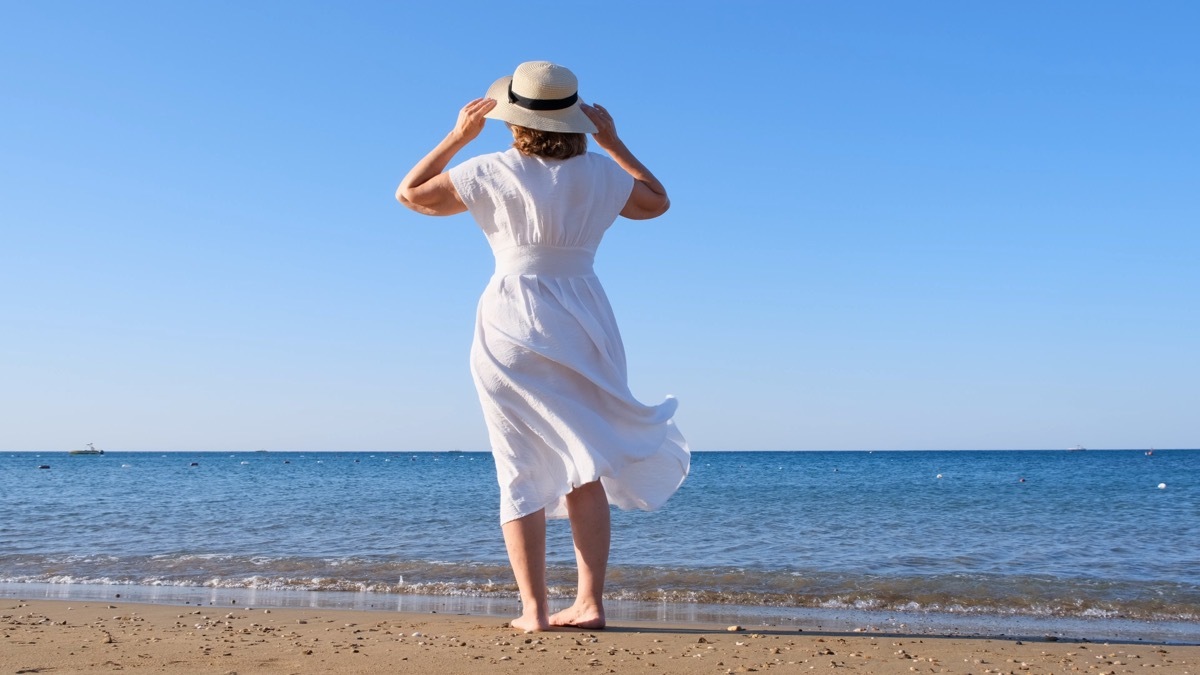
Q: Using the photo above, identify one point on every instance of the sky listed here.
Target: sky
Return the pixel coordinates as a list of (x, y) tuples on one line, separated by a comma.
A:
[(894, 225)]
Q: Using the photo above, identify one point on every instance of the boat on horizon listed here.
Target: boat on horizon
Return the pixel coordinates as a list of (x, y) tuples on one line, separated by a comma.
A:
[(1076, 448), (91, 450)]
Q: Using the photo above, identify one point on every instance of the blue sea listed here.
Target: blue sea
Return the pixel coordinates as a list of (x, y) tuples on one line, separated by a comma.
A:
[(1091, 544)]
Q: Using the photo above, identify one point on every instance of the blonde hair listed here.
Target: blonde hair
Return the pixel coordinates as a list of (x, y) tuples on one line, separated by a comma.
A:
[(548, 144)]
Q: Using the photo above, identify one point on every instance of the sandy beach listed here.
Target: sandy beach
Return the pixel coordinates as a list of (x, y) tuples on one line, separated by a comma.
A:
[(54, 636)]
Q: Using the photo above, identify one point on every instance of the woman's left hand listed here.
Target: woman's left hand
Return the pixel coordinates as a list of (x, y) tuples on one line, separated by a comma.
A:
[(471, 119)]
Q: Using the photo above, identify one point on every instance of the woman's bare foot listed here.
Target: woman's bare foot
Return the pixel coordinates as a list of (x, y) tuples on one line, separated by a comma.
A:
[(529, 624), (580, 615)]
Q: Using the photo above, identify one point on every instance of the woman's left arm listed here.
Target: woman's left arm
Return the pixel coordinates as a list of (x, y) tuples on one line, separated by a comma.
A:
[(427, 188)]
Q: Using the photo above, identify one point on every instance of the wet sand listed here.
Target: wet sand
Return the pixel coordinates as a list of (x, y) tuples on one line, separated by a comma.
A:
[(56, 636)]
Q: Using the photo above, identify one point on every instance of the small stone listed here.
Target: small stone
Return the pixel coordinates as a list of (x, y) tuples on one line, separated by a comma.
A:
[(702, 640)]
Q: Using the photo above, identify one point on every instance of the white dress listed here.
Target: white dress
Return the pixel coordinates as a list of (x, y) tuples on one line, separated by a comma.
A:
[(547, 358)]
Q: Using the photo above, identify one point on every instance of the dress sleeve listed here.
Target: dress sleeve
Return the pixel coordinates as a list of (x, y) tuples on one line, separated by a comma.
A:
[(474, 180), (465, 178), (620, 185)]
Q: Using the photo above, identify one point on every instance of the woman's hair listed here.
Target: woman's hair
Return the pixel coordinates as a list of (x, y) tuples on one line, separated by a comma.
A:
[(548, 144)]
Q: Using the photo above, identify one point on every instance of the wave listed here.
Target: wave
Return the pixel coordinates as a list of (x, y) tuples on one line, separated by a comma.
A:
[(982, 595)]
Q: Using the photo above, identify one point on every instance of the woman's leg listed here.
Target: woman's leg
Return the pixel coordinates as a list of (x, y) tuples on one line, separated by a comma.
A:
[(587, 505), (525, 539)]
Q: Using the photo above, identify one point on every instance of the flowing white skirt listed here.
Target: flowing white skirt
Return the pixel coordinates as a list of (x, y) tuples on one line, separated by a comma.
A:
[(550, 370)]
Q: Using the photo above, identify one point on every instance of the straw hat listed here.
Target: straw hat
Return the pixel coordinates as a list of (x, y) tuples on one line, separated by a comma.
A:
[(540, 95)]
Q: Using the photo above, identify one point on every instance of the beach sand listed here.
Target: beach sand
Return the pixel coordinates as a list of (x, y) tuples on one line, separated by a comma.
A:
[(57, 636)]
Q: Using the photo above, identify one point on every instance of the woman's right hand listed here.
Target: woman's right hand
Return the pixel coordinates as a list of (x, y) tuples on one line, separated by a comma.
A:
[(648, 198), (606, 128), (471, 119)]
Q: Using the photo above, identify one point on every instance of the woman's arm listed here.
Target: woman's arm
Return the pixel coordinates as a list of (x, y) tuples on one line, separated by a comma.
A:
[(427, 188), (649, 197)]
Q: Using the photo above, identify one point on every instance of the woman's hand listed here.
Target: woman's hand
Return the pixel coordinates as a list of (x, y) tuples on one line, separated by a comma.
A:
[(648, 198), (606, 129), (427, 189), (471, 119)]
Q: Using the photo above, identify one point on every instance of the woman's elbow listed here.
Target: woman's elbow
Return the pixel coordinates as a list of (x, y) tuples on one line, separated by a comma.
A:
[(405, 197), (645, 211)]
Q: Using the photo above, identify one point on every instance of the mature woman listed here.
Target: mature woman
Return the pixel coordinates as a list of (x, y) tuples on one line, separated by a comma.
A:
[(567, 435)]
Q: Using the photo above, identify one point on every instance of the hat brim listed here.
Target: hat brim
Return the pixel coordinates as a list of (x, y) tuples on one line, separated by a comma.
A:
[(571, 120)]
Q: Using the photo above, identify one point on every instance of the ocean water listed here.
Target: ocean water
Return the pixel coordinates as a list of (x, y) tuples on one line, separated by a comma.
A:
[(1098, 542)]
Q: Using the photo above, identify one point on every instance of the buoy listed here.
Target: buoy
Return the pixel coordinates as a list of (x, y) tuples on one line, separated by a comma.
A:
[(1162, 486), (939, 475)]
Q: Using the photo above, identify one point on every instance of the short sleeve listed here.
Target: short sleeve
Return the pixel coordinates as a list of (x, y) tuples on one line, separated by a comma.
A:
[(473, 180), (620, 184), (465, 178)]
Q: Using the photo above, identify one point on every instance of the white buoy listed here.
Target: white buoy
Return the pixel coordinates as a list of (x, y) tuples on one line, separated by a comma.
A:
[(939, 475), (1162, 486)]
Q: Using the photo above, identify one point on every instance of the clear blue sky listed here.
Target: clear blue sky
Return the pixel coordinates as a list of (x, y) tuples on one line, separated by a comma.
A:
[(895, 225)]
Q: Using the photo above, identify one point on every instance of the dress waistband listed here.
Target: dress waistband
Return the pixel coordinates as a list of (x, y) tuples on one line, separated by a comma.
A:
[(551, 261)]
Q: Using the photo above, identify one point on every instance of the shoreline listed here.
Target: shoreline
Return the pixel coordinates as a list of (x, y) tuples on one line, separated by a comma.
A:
[(839, 620), (65, 636)]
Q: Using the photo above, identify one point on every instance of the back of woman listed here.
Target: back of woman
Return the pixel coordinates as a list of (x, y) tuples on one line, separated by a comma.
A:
[(527, 200), (567, 435)]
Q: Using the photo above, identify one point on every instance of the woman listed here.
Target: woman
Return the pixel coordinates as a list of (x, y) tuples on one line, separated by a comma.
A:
[(567, 435)]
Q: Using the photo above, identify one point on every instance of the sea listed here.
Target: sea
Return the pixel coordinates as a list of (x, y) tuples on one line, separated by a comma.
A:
[(1091, 545)]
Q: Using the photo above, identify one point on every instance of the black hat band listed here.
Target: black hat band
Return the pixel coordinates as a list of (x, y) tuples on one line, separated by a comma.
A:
[(541, 103)]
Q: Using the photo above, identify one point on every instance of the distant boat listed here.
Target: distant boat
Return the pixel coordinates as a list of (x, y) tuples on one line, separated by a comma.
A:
[(1150, 452), (1076, 448), (91, 450)]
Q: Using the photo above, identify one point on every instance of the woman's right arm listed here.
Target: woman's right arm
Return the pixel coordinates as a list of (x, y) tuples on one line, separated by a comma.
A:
[(649, 197)]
